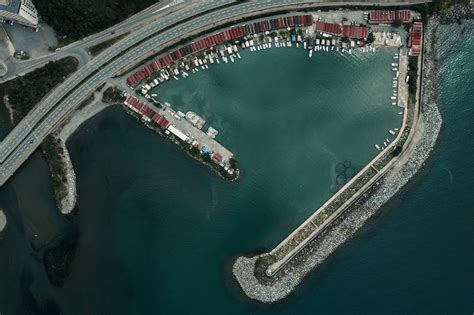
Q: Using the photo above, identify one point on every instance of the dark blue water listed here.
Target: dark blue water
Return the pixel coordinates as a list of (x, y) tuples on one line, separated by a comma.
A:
[(147, 247)]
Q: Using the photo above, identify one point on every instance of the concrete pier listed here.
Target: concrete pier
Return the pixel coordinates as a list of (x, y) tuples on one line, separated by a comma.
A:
[(183, 131), (200, 136)]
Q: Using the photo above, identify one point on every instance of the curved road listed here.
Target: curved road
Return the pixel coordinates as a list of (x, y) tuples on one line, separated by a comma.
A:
[(41, 109), (147, 16), (22, 141)]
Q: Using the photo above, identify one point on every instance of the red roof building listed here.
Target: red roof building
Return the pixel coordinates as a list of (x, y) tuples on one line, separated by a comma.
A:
[(354, 31), (217, 157), (416, 38), (210, 41), (387, 17), (329, 28)]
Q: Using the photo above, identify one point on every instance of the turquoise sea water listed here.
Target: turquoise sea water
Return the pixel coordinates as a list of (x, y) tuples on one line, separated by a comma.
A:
[(158, 231)]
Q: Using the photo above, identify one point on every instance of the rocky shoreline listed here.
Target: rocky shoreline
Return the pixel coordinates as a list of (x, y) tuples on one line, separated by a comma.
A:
[(9, 108), (321, 247), (3, 221), (68, 202)]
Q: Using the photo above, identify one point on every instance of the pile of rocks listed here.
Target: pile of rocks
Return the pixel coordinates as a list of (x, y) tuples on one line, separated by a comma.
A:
[(67, 204), (3, 221), (456, 13)]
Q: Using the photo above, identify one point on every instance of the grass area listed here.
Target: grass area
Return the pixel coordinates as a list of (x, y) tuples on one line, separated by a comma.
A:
[(54, 154), (97, 49), (26, 91), (73, 20)]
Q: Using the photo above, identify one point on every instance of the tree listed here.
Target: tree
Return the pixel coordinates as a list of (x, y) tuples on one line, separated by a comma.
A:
[(26, 91), (397, 22), (73, 20), (370, 38)]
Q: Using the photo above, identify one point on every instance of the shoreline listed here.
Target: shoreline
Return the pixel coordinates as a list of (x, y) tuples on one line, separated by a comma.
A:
[(68, 203), (383, 191), (9, 109), (3, 221), (80, 116)]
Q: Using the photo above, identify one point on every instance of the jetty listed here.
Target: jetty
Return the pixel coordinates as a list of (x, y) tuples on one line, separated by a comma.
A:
[(273, 275), (3, 221), (186, 132), (350, 192)]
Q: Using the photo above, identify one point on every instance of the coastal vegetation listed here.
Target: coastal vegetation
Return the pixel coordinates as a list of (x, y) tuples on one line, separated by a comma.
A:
[(54, 154), (73, 20), (26, 91)]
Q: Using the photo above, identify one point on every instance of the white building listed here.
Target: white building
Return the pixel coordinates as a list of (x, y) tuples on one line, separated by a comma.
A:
[(19, 11)]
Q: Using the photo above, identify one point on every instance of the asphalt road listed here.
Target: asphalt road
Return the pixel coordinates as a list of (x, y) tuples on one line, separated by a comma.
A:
[(77, 49), (41, 109), (27, 136)]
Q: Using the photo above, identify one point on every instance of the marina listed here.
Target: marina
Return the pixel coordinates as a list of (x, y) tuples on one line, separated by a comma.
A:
[(305, 31), (287, 139), (153, 227), (229, 46), (324, 37), (257, 43)]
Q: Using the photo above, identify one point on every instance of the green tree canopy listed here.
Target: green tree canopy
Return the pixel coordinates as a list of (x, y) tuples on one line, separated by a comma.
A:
[(75, 19), (397, 22)]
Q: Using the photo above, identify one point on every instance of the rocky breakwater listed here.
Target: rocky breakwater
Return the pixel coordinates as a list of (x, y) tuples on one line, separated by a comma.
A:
[(3, 221), (258, 286), (456, 14), (68, 202), (62, 172)]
